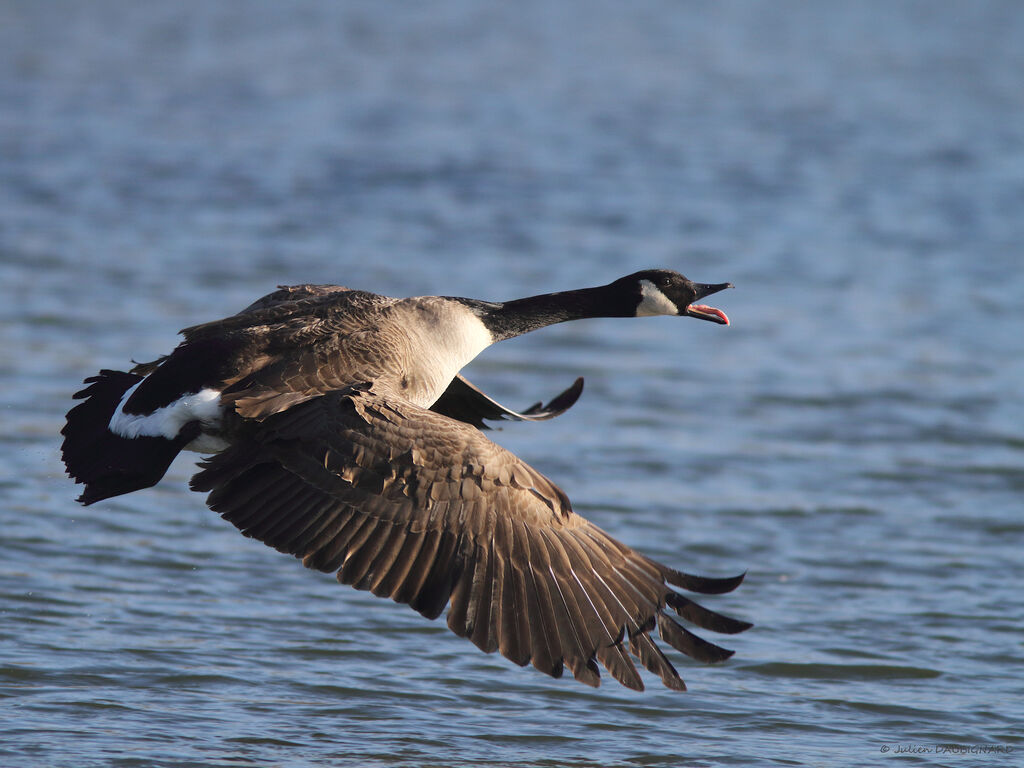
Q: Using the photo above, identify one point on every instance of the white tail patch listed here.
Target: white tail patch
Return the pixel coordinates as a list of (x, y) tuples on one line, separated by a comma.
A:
[(202, 406), (654, 302)]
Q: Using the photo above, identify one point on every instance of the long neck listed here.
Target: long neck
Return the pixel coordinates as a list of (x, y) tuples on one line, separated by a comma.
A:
[(514, 318)]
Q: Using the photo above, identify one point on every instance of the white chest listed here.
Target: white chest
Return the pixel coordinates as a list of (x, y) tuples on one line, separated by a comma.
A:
[(443, 338)]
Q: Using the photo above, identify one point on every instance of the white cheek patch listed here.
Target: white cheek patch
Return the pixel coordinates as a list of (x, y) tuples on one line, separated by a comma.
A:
[(202, 406), (654, 302)]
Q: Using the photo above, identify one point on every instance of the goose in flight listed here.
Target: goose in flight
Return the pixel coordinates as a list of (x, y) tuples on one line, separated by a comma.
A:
[(338, 430)]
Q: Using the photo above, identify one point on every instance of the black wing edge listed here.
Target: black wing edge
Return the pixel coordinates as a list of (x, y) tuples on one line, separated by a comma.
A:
[(464, 402)]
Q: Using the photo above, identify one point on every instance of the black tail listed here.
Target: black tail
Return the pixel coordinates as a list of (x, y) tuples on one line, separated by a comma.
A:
[(106, 463)]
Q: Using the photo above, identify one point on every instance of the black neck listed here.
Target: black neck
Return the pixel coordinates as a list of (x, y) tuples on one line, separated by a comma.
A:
[(514, 318)]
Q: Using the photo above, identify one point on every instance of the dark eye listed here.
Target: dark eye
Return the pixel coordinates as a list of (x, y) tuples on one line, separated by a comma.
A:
[(664, 282)]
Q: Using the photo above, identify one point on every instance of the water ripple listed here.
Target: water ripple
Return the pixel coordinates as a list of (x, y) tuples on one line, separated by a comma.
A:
[(852, 441)]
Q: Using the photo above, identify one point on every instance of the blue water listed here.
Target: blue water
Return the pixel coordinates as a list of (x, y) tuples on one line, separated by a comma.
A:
[(855, 440)]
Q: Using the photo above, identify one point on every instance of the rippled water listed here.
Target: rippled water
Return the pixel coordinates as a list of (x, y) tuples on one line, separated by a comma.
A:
[(854, 440)]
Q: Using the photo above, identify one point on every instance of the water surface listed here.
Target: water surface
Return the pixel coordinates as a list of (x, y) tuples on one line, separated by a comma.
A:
[(853, 440)]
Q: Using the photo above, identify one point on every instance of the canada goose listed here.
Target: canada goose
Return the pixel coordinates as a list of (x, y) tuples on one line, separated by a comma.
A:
[(342, 434)]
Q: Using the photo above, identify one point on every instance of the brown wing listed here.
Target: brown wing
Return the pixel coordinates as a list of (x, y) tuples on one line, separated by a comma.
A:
[(414, 506), (288, 293), (303, 303), (302, 341)]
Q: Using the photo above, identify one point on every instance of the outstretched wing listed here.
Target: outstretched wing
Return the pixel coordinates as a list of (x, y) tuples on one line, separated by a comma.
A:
[(415, 506), (467, 403)]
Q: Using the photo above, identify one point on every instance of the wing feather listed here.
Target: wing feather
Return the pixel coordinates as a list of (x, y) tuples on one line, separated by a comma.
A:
[(686, 642), (287, 535), (463, 597), (391, 546), (392, 582), (546, 655), (332, 555), (479, 625), (615, 659), (576, 650), (523, 613), (651, 656), (363, 551)]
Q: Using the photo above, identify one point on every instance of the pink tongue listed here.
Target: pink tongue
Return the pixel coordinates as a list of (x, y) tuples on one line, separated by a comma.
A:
[(704, 309)]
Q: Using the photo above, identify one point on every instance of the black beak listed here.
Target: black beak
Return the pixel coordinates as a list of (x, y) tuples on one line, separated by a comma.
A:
[(706, 289)]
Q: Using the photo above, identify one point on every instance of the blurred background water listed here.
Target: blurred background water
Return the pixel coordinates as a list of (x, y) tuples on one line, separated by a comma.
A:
[(854, 440)]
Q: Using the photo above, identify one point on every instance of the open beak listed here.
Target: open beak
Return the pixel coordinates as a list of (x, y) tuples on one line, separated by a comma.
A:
[(704, 312)]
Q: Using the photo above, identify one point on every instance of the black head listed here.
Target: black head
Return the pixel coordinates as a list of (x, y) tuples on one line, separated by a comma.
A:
[(664, 292)]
